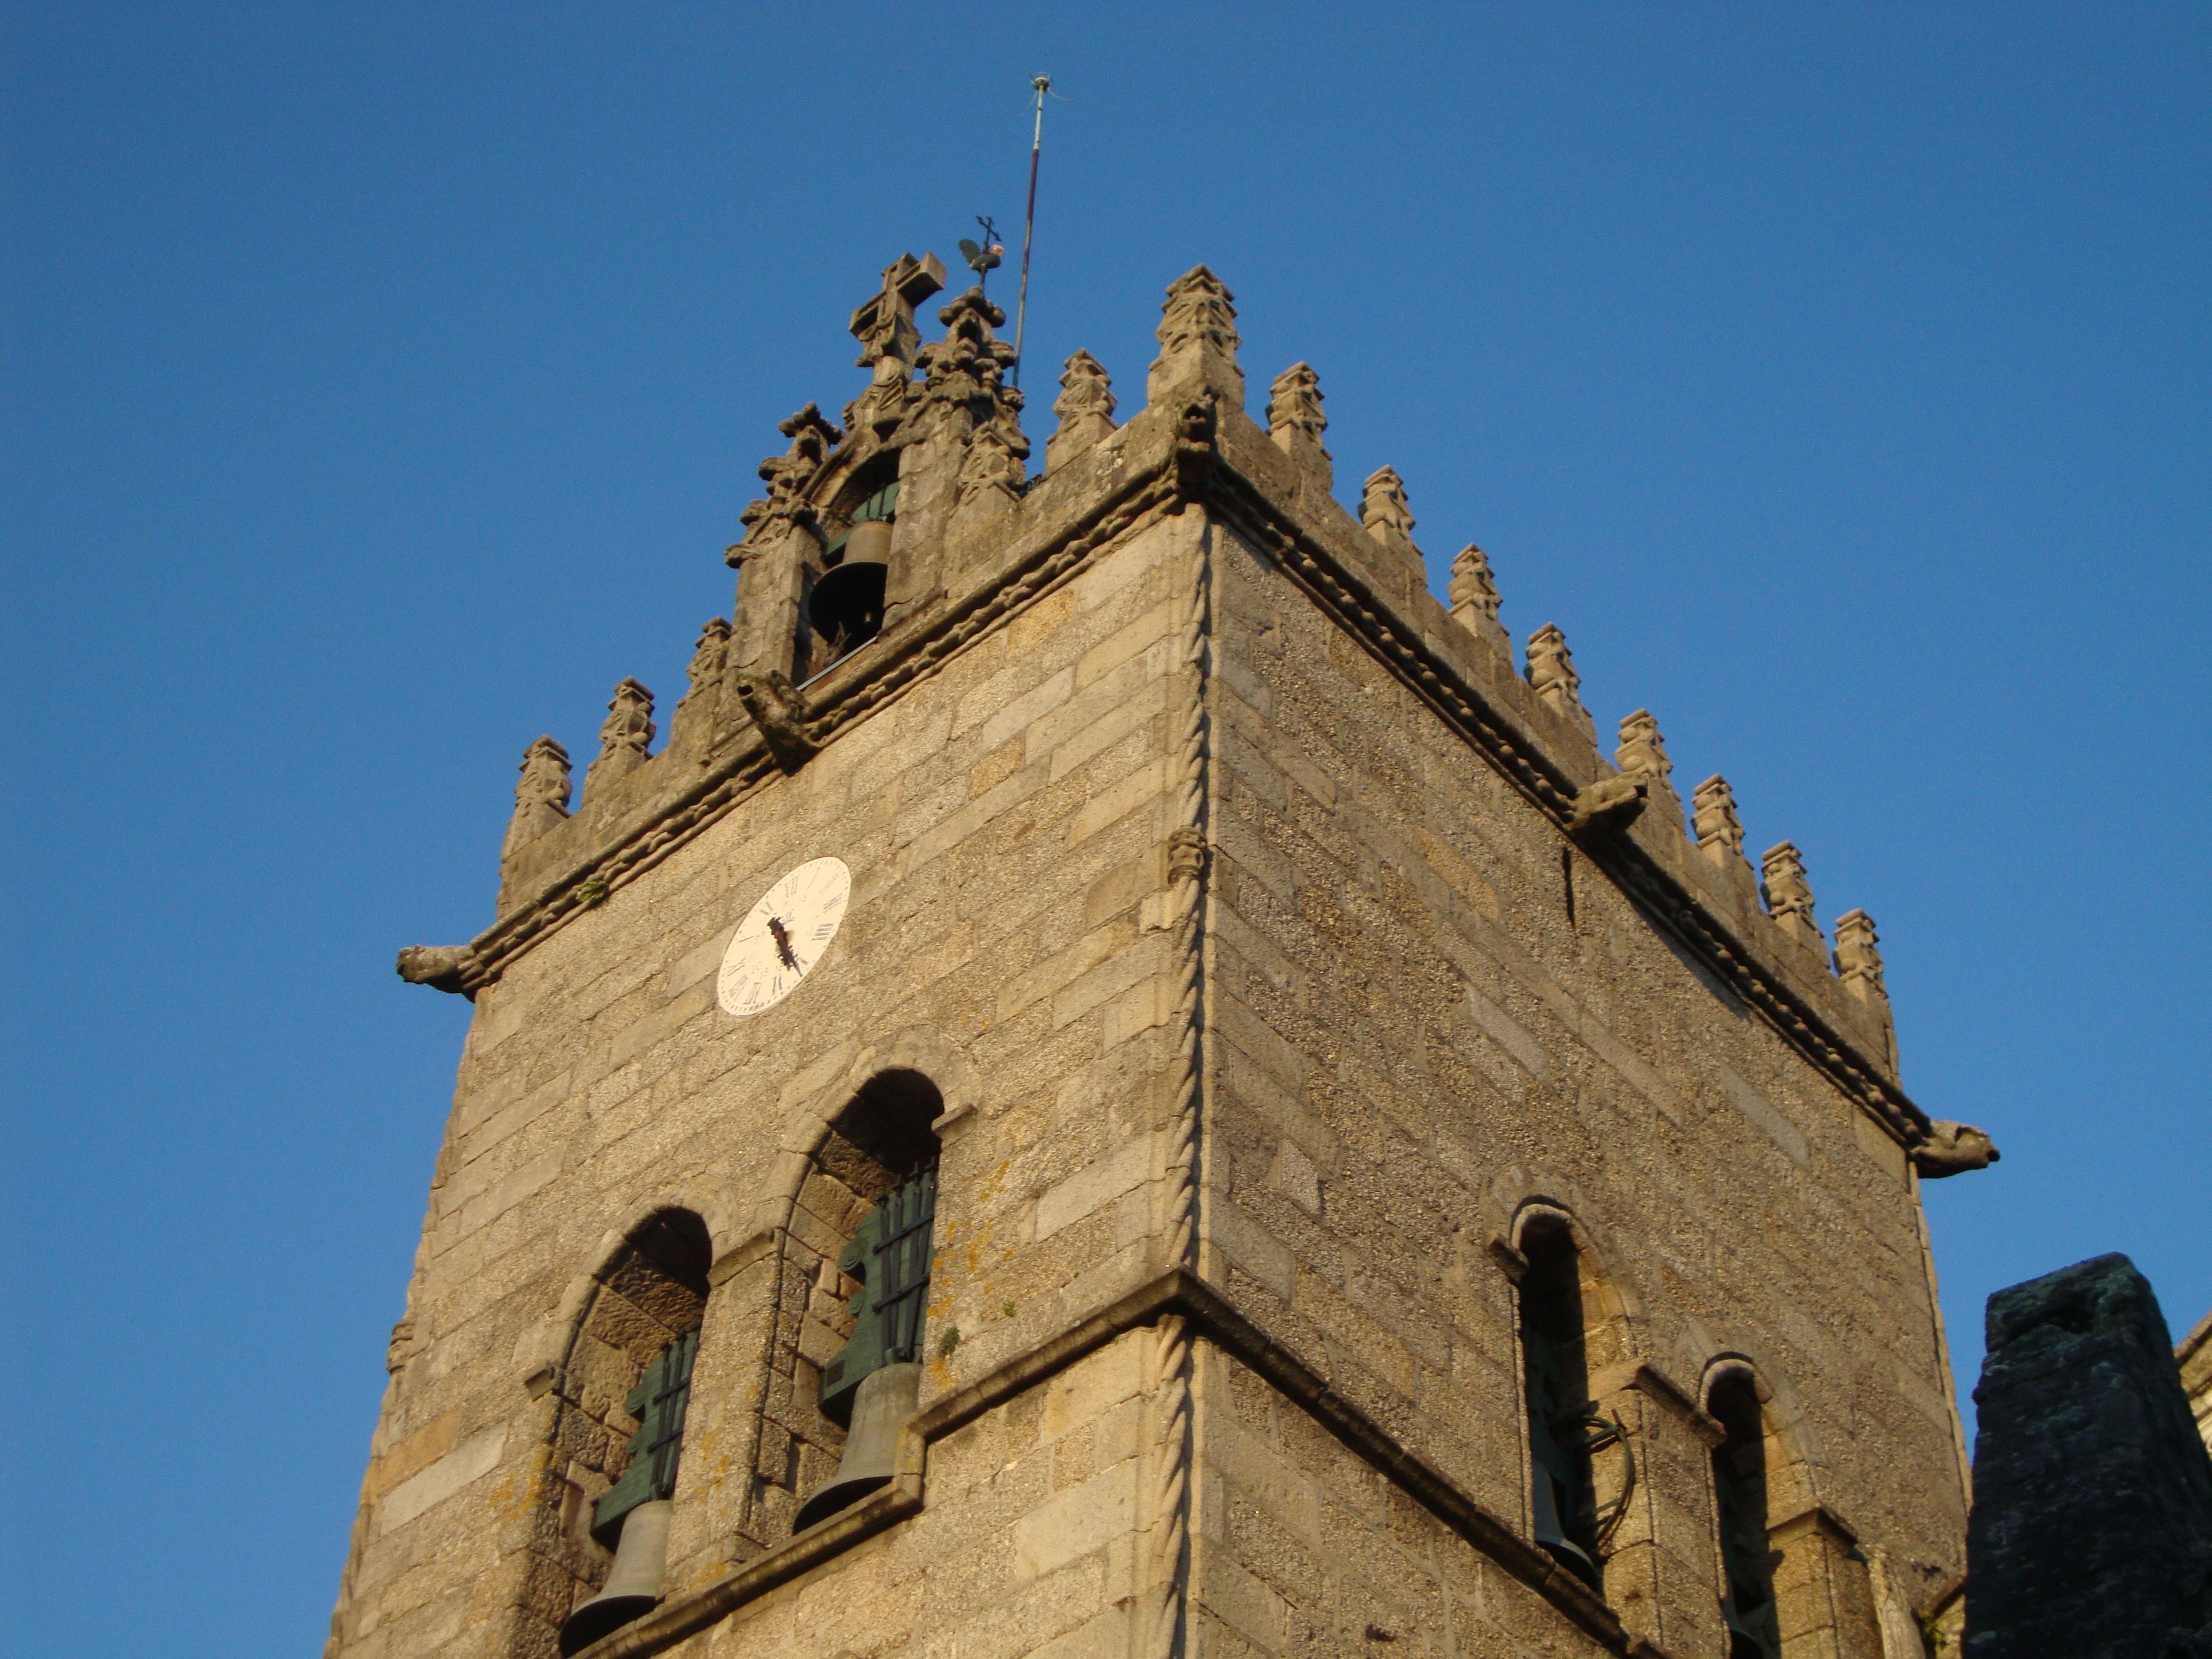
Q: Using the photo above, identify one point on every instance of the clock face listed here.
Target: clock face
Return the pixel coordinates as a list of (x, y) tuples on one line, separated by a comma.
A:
[(783, 936)]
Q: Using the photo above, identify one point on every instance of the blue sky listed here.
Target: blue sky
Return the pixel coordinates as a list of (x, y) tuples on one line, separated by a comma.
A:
[(383, 382)]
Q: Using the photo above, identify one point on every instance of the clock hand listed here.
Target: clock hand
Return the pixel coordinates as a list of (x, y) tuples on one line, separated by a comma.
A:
[(782, 941)]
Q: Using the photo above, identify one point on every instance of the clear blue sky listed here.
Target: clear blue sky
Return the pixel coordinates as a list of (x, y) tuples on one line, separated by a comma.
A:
[(383, 382)]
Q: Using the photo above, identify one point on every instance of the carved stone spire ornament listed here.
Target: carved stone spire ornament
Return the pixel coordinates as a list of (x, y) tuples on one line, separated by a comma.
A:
[(692, 726), (1552, 672), (965, 386), (1474, 589), (1085, 408), (1473, 594), (1719, 831), (994, 464), (1295, 420), (1789, 895), (1198, 341), (1858, 957), (885, 328), (704, 676), (541, 796), (1383, 509), (625, 739), (812, 439), (1643, 753)]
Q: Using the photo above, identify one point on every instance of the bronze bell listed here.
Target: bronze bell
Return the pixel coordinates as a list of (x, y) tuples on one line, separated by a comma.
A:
[(633, 1582), (881, 1405)]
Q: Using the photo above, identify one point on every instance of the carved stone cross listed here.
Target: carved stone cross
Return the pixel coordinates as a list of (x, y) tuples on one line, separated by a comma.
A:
[(889, 338), (884, 326)]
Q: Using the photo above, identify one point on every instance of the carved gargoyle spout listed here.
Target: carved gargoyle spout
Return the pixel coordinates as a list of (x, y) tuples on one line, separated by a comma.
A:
[(1953, 1149), (441, 967)]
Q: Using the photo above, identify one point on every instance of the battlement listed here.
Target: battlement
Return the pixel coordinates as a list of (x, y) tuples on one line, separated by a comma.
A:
[(889, 540)]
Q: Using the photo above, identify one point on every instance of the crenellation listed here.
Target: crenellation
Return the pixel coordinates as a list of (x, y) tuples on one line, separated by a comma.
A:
[(1387, 518), (696, 727), (1475, 600), (1085, 408), (625, 743), (1296, 421), (1551, 676), (1718, 830), (1643, 754), (1198, 344), (541, 800), (1787, 895)]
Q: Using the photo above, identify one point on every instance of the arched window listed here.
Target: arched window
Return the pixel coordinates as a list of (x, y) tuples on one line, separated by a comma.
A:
[(854, 1286), (1739, 1496), (1562, 1431), (845, 603), (617, 1437)]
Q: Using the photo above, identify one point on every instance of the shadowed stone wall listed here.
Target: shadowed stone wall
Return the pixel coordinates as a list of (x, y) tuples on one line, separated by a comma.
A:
[(2092, 1530)]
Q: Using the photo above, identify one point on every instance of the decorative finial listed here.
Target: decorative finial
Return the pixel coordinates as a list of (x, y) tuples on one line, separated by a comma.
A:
[(708, 657), (964, 384), (994, 464), (541, 795), (1197, 340), (1383, 509), (1551, 671), (625, 739), (703, 691), (812, 439), (1474, 589), (1789, 895), (1643, 753), (1085, 408), (1858, 957), (628, 728), (1295, 420), (1714, 821)]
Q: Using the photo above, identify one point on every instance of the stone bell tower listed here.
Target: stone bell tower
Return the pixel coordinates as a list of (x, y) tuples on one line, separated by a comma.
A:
[(1125, 1083)]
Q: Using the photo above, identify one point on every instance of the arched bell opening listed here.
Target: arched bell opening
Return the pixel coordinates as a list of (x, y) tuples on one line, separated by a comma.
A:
[(1742, 1506), (853, 1295), (1582, 1466), (624, 1393), (845, 601)]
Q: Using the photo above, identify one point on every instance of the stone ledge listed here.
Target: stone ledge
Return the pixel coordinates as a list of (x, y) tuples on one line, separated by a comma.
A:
[(1217, 1320)]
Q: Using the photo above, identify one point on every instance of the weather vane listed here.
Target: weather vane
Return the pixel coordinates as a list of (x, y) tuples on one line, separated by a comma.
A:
[(983, 260)]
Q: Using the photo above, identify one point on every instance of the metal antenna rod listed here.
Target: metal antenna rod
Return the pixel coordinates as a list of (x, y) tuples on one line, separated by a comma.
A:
[(1041, 84)]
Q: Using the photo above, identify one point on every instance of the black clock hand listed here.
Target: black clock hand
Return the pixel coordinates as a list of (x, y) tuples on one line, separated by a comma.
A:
[(782, 936)]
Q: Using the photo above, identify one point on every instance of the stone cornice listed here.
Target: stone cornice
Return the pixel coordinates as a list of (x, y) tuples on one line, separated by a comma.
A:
[(1161, 461)]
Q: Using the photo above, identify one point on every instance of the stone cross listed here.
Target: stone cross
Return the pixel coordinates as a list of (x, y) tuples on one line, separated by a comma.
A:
[(889, 338), (884, 326)]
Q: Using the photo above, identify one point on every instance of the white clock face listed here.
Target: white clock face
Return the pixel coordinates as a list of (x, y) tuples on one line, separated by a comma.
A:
[(783, 937)]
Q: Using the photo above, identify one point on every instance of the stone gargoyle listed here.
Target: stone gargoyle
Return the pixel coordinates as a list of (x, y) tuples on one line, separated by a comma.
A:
[(1953, 1149)]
